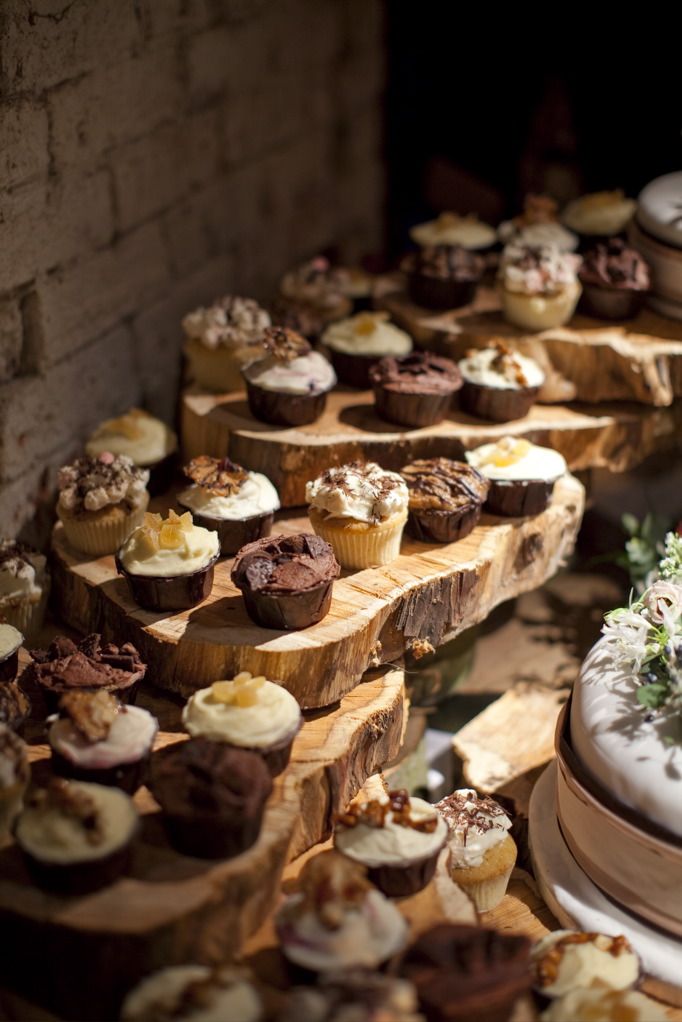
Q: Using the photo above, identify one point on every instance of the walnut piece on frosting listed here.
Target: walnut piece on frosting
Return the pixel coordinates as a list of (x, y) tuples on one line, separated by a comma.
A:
[(216, 475), (91, 713), (284, 344), (92, 483), (72, 801), (331, 884)]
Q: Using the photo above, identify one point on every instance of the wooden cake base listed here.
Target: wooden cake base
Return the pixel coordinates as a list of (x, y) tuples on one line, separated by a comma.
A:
[(426, 596), (80, 954)]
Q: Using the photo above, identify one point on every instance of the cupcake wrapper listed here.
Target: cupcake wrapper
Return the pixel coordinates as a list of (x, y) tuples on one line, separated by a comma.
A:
[(234, 534), (105, 535), (540, 312), (9, 666), (497, 404), (486, 894), (176, 592), (434, 293), (442, 526), (210, 837), (353, 370), (217, 370), (126, 776), (280, 409), (289, 611), (515, 498), (367, 548), (76, 878), (402, 881), (610, 302), (414, 410), (125, 694), (27, 617), (11, 803), (162, 474)]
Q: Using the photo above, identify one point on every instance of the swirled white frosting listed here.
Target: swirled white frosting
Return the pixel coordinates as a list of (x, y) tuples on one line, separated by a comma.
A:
[(307, 374), (10, 639), (537, 270), (599, 213), (365, 493), (478, 368), (18, 582), (604, 1006), (226, 996), (393, 844), (195, 549), (538, 235), (587, 965), (500, 460), (256, 496), (136, 434), (473, 830), (272, 716), (367, 334), (130, 738), (451, 229)]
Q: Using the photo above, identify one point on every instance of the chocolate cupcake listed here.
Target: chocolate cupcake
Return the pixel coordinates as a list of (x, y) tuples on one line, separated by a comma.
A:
[(468, 972), (286, 581), (415, 390), (521, 475), (356, 344), (615, 280), (443, 276), (499, 384), (446, 499), (97, 739), (222, 338), (311, 296), (289, 386), (168, 563), (76, 837), (566, 959), (11, 641), (226, 498), (194, 993), (147, 441), (212, 797), (24, 587), (14, 777), (88, 666), (398, 839), (15, 706)]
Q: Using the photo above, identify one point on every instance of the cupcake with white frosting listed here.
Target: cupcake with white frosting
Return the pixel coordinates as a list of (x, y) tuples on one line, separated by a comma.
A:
[(566, 959), (102, 500), (194, 993), (221, 338), (498, 383), (522, 475), (538, 224), (11, 640), (237, 504), (397, 837), (247, 712), (357, 343), (452, 229), (604, 1005), (289, 386), (482, 853), (24, 587), (361, 511), (14, 776), (168, 563), (539, 286), (147, 441), (599, 214)]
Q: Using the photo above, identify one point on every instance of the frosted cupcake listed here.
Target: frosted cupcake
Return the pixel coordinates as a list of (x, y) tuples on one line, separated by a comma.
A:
[(605, 1006), (24, 587), (11, 640), (356, 995), (499, 384), (566, 959), (539, 287), (452, 229), (360, 510), (311, 296), (91, 666), (538, 225), (168, 563), (522, 475), (289, 386), (222, 338), (147, 441), (102, 500), (599, 214), (194, 993), (14, 776), (356, 344), (249, 713), (237, 504), (615, 280), (482, 854)]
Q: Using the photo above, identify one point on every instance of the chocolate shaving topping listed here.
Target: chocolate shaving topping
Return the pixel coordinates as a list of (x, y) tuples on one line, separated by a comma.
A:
[(91, 713), (464, 811), (419, 372), (90, 664), (216, 475), (375, 813), (331, 884), (613, 264), (548, 965), (440, 484), (284, 344), (284, 563), (71, 801)]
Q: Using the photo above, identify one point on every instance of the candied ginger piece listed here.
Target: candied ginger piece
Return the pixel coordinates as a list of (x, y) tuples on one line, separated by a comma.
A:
[(171, 536), (247, 694), (148, 542), (243, 676), (152, 521), (222, 692), (367, 322), (508, 452)]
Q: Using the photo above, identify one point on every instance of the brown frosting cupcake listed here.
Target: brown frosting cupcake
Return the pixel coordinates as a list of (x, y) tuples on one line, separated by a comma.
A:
[(615, 280), (415, 390), (446, 498), (443, 276), (286, 581), (88, 666)]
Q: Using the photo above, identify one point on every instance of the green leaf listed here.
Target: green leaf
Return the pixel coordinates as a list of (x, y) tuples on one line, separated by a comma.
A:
[(652, 696)]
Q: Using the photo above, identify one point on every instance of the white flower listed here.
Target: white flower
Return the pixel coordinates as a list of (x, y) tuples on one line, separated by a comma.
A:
[(627, 632), (663, 603)]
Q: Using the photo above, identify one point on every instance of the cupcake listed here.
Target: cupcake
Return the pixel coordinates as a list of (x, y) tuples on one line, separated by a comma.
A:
[(415, 390), (353, 995), (289, 386), (102, 499), (311, 296), (212, 797), (11, 641), (445, 499), (398, 839), (76, 837), (452, 229), (443, 276), (522, 475), (599, 215), (358, 286), (566, 959), (468, 972), (337, 920), (194, 993), (89, 666), (168, 562), (356, 344), (615, 280), (147, 441), (361, 511), (538, 225), (221, 338), (499, 384), (14, 777), (24, 587), (286, 581), (97, 739), (15, 706), (249, 713), (539, 288), (604, 1006), (237, 504), (482, 853)]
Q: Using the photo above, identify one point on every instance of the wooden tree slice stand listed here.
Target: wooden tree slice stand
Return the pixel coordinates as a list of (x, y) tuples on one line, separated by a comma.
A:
[(80, 954), (589, 360), (427, 595)]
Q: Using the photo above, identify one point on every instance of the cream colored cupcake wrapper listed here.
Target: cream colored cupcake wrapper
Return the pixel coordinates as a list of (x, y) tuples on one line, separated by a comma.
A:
[(540, 312), (104, 535), (362, 548), (486, 894), (28, 615), (11, 804), (216, 369)]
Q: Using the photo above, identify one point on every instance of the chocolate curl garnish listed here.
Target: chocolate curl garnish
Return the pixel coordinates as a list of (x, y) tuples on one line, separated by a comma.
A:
[(284, 344), (375, 813), (217, 475)]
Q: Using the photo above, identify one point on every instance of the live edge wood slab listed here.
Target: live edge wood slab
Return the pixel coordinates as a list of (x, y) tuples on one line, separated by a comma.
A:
[(77, 956), (423, 598)]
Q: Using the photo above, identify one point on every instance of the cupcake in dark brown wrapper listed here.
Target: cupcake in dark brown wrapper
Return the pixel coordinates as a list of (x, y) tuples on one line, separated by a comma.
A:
[(446, 499), (311, 296), (11, 641), (414, 390), (358, 343), (521, 475), (499, 384), (289, 386), (15, 706), (443, 276), (286, 581), (88, 666), (212, 797), (615, 280)]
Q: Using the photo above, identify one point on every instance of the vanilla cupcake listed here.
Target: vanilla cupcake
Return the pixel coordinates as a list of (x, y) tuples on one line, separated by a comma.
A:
[(14, 776), (398, 839), (222, 338), (102, 499), (522, 475), (289, 385), (24, 587), (452, 229), (498, 383), (539, 287), (599, 214), (482, 853), (360, 510), (194, 993), (356, 344), (249, 713), (168, 563), (566, 959), (237, 504), (604, 1006), (147, 441), (538, 225)]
